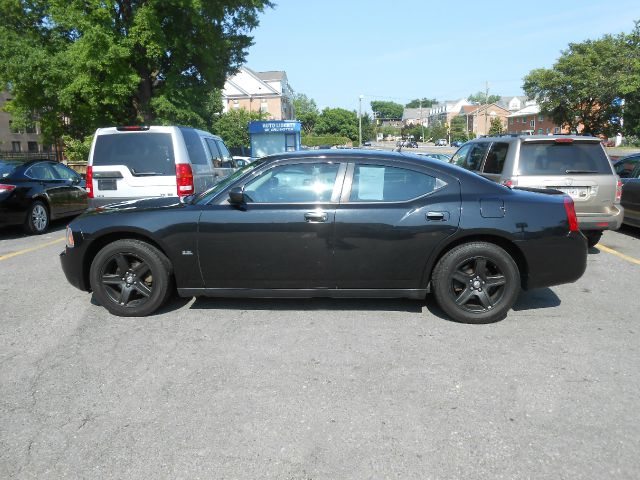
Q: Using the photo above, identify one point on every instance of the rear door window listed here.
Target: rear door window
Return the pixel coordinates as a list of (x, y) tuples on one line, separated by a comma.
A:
[(40, 171), (471, 156), (562, 159), (144, 153), (64, 173), (378, 183), (625, 167), (496, 157), (194, 145), (7, 168)]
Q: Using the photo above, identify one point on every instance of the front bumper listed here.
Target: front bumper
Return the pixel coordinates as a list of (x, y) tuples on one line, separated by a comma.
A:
[(72, 268)]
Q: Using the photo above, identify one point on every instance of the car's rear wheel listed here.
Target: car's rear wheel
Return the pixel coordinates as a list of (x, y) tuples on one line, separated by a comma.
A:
[(476, 283), (37, 221), (593, 237), (131, 278)]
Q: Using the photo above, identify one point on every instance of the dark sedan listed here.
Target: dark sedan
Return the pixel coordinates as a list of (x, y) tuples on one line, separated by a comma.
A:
[(340, 223), (628, 169), (35, 192)]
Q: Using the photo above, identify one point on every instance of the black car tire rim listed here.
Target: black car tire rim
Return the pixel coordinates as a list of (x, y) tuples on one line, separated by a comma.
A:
[(477, 285), (39, 217), (127, 279)]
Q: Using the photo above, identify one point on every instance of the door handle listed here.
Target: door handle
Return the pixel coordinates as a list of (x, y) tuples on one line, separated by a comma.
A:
[(316, 217), (437, 216)]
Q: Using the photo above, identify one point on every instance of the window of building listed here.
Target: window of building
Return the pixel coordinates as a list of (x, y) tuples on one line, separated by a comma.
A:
[(556, 130), (32, 147), (532, 123), (541, 118), (540, 131), (15, 147), (511, 121)]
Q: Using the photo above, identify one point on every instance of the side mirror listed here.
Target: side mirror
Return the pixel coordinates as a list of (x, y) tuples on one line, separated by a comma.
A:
[(236, 196)]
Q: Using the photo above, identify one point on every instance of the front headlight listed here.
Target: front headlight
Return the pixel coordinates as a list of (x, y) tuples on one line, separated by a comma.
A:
[(69, 237)]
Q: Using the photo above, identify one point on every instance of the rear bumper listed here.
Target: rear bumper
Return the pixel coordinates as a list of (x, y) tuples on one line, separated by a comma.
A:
[(602, 222), (554, 261)]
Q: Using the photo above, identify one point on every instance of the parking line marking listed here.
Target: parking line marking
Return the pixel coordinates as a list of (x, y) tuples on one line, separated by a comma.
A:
[(621, 255), (31, 249)]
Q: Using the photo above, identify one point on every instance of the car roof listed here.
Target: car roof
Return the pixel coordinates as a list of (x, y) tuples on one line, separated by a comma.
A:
[(534, 138)]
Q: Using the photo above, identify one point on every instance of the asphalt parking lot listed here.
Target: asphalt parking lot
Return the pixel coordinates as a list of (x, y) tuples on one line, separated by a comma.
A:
[(318, 389)]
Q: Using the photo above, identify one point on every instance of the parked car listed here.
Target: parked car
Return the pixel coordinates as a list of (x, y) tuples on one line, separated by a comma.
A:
[(457, 143), (628, 168), (366, 143), (575, 165), (411, 144), (35, 192), (127, 163), (441, 142), (406, 225), (443, 157)]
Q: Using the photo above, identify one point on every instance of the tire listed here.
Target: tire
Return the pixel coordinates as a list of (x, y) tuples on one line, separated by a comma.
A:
[(131, 278), (593, 237), (37, 221), (476, 283)]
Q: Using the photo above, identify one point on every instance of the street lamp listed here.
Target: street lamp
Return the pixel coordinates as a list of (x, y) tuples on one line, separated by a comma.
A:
[(360, 121)]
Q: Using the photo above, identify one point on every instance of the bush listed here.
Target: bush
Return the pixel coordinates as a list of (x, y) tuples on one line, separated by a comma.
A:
[(316, 141), (77, 151)]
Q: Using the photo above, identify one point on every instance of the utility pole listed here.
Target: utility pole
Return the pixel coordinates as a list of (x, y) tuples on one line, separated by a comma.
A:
[(486, 106), (421, 121), (360, 121)]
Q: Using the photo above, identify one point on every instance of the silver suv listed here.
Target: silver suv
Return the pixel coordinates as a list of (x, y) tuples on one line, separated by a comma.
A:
[(575, 165)]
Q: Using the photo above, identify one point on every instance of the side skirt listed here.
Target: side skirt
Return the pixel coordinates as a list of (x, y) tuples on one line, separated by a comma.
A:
[(417, 294)]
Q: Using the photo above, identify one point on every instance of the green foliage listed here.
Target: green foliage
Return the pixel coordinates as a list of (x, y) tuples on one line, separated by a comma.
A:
[(482, 99), (459, 129), (80, 65), (426, 103), (77, 151), (308, 121), (338, 121), (233, 126), (303, 105), (586, 84), (387, 110), (414, 131), (317, 141), (437, 130), (496, 127)]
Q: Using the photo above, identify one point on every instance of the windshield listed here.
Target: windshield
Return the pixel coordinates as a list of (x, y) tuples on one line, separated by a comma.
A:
[(205, 196)]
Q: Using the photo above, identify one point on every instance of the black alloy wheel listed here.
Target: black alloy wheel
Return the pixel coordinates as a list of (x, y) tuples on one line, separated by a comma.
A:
[(131, 278), (476, 283), (37, 221)]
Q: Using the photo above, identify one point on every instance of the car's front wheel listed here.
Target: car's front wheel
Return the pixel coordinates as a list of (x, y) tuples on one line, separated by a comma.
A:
[(476, 282), (131, 278)]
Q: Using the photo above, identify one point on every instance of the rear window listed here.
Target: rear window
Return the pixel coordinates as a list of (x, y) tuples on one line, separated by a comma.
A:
[(7, 168), (145, 153), (562, 159)]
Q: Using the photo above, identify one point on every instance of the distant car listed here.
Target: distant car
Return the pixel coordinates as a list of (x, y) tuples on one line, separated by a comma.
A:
[(366, 144), (457, 143), (411, 144), (438, 156), (628, 169), (339, 223), (441, 142), (575, 165), (34, 193)]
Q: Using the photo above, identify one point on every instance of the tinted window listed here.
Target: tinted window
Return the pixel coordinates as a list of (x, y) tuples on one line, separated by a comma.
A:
[(40, 171), (476, 156), (301, 183), (460, 157), (496, 157), (223, 151), (562, 159), (215, 153), (7, 168), (64, 173), (625, 168), (194, 145), (143, 152), (376, 183)]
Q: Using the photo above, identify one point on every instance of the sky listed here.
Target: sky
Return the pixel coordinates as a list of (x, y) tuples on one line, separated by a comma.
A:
[(334, 51)]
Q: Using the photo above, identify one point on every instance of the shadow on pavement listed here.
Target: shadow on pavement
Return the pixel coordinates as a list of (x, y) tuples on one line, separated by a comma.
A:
[(13, 232), (534, 299), (633, 232)]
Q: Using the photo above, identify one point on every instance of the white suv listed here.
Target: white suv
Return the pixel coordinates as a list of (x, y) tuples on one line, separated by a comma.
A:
[(127, 163)]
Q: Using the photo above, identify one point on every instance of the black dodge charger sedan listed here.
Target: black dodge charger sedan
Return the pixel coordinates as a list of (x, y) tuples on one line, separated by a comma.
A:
[(345, 223)]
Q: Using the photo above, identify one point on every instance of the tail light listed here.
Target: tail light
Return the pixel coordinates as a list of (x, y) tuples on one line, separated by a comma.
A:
[(6, 188), (619, 191), (571, 213), (184, 179), (89, 182)]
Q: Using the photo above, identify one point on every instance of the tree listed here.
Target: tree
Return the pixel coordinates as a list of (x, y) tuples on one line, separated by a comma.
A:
[(303, 104), (496, 127), (338, 121), (630, 89), (584, 86), (459, 129), (426, 103), (233, 126), (436, 130), (482, 98), (388, 110), (78, 65)]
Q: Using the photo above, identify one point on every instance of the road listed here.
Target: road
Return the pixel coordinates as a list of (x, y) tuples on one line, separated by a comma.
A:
[(318, 389)]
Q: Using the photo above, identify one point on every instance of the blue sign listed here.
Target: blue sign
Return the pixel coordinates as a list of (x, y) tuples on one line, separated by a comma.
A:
[(275, 126)]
